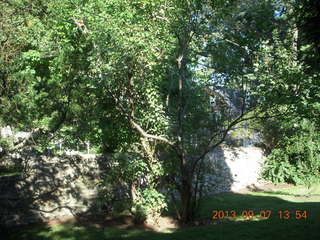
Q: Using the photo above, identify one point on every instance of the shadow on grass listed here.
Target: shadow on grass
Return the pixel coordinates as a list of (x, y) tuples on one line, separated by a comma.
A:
[(272, 228)]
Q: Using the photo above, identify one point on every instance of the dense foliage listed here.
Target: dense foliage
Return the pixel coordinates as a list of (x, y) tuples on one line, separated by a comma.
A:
[(295, 159), (292, 78)]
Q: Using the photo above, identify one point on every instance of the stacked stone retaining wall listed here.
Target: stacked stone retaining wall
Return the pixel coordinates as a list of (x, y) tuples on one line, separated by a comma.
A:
[(63, 186), (48, 188)]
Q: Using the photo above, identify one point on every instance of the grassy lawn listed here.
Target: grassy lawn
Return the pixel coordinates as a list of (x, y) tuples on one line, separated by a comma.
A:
[(10, 173), (291, 199), (9, 170)]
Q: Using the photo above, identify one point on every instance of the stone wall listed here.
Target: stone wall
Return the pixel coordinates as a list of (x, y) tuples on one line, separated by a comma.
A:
[(49, 187), (63, 186), (231, 169)]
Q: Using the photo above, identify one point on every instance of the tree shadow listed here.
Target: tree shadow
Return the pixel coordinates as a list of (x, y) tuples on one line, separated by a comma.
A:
[(49, 187), (218, 177), (205, 227)]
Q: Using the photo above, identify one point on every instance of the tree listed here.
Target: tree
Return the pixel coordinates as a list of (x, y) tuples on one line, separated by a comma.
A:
[(290, 73), (153, 75)]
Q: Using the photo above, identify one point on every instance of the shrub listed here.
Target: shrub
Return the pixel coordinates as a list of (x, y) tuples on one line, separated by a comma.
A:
[(296, 159), (125, 173)]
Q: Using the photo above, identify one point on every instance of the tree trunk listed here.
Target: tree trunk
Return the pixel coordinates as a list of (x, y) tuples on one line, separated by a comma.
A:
[(134, 192), (186, 194), (186, 200)]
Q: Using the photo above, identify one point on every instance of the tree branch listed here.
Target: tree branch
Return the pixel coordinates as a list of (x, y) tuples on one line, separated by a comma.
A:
[(147, 135)]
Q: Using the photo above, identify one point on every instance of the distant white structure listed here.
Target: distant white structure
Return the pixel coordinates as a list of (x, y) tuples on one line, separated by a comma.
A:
[(6, 132), (23, 135), (58, 144), (71, 152)]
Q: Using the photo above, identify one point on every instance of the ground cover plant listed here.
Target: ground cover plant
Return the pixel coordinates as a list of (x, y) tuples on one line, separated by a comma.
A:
[(293, 198)]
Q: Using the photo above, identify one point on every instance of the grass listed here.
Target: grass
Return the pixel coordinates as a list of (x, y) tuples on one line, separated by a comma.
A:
[(10, 173), (9, 170), (291, 199), (300, 190)]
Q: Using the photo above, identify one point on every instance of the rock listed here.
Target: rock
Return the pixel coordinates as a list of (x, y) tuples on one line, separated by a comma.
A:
[(54, 187)]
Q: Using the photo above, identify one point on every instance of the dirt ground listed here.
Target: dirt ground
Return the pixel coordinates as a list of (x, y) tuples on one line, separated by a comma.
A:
[(121, 222)]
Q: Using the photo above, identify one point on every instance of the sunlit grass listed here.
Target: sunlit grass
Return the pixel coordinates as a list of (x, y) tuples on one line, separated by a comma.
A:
[(301, 190), (299, 193)]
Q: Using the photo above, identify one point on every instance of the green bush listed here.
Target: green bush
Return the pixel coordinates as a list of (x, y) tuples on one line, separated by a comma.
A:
[(124, 172), (296, 159), (150, 204), (140, 214), (6, 143)]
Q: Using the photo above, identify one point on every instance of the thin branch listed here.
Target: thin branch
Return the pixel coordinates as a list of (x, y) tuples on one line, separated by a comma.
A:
[(147, 135), (163, 18)]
